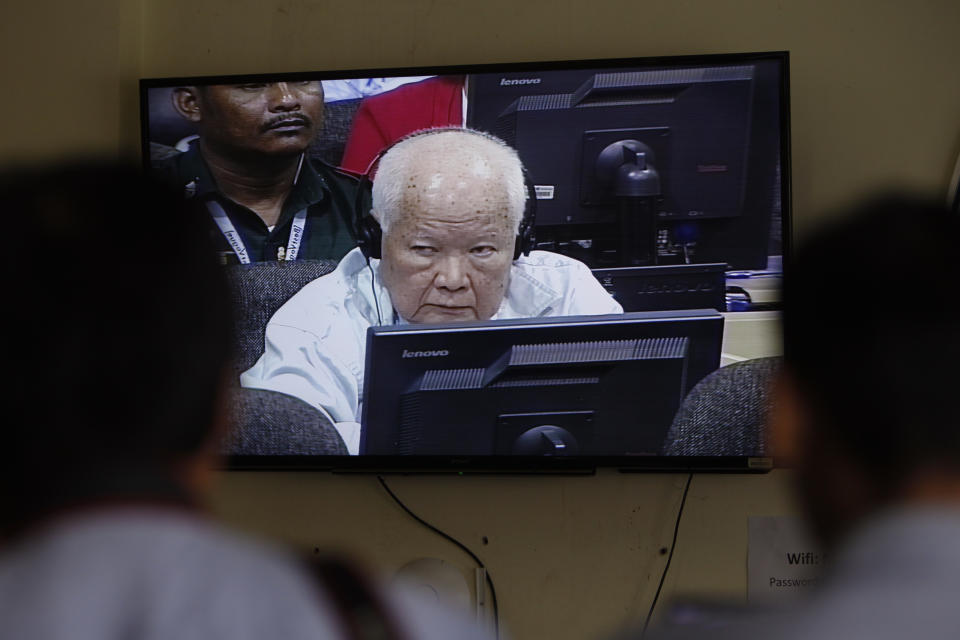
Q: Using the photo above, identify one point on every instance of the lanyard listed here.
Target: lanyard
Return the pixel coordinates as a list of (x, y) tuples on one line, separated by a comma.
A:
[(236, 243)]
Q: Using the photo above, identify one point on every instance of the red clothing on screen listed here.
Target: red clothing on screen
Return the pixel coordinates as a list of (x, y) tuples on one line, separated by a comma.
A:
[(383, 119)]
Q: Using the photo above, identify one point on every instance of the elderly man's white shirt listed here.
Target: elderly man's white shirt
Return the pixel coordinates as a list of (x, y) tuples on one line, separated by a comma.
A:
[(315, 343)]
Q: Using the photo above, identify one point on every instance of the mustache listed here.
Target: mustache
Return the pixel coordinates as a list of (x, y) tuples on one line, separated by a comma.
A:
[(287, 119)]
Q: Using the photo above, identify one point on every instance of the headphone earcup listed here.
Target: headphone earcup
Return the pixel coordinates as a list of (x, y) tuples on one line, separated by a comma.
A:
[(369, 237), (526, 234), (366, 227), (525, 240)]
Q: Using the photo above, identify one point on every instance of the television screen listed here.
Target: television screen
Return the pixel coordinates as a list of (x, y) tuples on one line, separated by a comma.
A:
[(662, 183)]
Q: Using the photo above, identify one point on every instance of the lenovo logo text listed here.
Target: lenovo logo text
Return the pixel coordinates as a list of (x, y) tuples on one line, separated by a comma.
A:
[(425, 354), (504, 82)]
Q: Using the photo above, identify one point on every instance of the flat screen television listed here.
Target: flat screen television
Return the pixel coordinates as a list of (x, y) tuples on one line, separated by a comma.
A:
[(666, 176)]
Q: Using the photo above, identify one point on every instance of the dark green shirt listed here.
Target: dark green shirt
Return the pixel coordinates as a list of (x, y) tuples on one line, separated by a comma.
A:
[(327, 194)]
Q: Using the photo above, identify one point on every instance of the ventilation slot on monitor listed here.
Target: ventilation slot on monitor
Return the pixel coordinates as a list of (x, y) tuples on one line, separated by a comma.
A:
[(410, 430), (621, 100), (648, 87), (572, 352), (544, 381), (541, 103), (506, 123), (665, 77), (451, 379), (656, 348), (506, 128)]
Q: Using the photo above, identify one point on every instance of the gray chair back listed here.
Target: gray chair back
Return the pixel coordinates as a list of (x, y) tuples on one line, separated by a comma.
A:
[(725, 413), (266, 422), (259, 289), (337, 123)]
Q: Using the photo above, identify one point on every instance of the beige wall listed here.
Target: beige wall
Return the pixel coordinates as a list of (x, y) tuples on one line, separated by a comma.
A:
[(875, 101), (571, 557), (875, 91)]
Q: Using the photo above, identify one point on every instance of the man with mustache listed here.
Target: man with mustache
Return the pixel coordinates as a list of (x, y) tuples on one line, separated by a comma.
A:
[(268, 198)]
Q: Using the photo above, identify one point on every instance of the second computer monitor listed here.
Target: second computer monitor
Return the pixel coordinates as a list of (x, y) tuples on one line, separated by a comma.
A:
[(576, 386)]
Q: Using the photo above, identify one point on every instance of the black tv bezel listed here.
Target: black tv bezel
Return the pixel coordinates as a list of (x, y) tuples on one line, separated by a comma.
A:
[(512, 464)]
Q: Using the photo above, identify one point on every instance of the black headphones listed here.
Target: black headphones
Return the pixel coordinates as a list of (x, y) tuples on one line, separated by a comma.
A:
[(369, 234)]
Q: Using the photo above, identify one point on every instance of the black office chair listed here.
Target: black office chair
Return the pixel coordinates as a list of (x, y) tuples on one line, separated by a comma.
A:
[(725, 413), (266, 422)]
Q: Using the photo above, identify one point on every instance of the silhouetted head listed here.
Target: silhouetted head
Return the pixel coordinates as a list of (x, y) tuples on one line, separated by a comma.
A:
[(868, 405), (118, 320)]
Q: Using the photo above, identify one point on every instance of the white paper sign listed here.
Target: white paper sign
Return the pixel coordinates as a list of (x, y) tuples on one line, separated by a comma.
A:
[(783, 563)]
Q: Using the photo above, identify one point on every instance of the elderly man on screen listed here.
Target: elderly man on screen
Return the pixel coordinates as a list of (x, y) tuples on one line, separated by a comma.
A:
[(449, 203)]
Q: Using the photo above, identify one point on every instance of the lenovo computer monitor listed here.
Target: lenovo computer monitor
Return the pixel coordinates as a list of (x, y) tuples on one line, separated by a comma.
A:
[(651, 163), (576, 388)]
